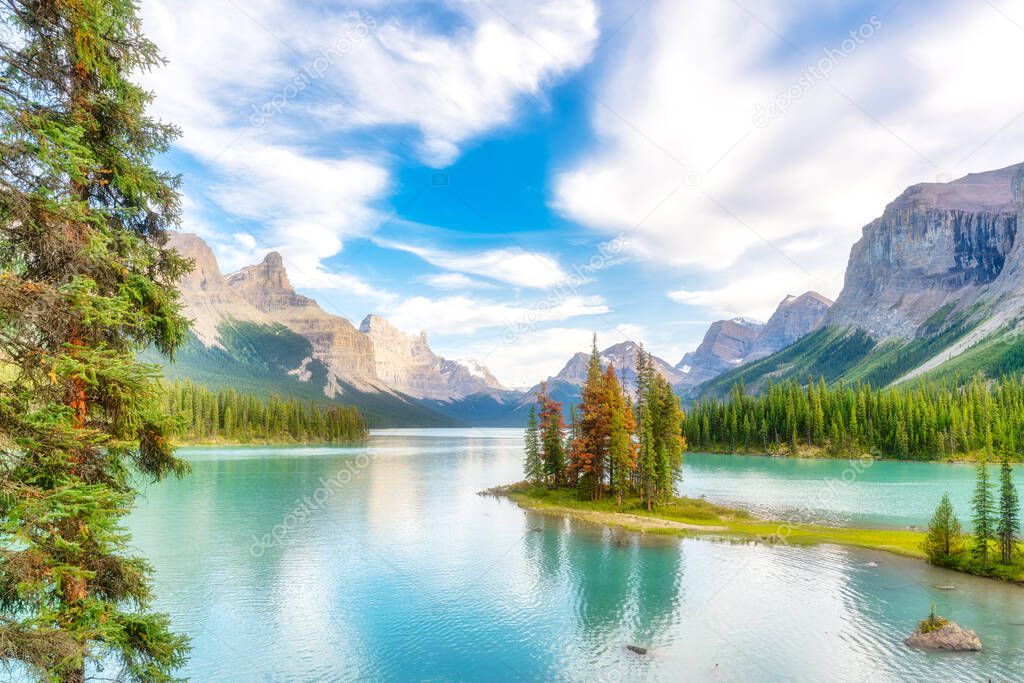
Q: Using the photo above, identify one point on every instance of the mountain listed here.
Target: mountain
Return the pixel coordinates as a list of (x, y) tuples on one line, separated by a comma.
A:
[(725, 345), (794, 317), (406, 363), (251, 330), (934, 287), (347, 354), (728, 344), (565, 386), (208, 299)]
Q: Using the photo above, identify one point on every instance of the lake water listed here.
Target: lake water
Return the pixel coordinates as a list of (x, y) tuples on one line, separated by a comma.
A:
[(383, 563)]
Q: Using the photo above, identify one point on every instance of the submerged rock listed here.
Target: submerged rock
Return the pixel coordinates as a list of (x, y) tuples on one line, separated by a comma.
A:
[(640, 650), (948, 637)]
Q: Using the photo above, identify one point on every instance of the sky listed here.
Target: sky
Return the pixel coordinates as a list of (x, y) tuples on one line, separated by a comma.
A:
[(513, 176)]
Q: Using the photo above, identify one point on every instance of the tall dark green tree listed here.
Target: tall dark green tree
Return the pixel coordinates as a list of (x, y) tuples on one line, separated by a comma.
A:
[(945, 537), (1009, 513), (85, 282), (552, 438), (983, 519), (533, 466)]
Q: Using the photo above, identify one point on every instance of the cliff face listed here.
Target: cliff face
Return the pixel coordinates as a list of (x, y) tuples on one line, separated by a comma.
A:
[(794, 317), (937, 245), (347, 354), (725, 345), (406, 363), (207, 297)]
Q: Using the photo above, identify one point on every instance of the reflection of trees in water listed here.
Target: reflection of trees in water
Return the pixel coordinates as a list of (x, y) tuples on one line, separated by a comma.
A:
[(621, 589)]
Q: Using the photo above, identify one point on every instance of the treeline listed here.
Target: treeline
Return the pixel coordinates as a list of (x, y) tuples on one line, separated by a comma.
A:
[(612, 443), (923, 421), (205, 415)]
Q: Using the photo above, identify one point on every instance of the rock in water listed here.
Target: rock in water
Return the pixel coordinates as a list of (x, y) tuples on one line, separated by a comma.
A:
[(949, 637), (637, 649)]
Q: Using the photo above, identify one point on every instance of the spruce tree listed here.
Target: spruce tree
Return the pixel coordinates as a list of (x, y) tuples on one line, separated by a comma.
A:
[(1009, 513), (945, 537), (983, 504), (552, 426), (86, 283), (533, 466)]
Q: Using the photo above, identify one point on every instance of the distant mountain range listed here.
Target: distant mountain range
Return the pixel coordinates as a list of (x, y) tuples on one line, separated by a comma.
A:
[(252, 329), (934, 287)]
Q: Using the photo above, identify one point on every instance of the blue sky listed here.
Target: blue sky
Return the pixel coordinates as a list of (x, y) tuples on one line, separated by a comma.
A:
[(512, 175)]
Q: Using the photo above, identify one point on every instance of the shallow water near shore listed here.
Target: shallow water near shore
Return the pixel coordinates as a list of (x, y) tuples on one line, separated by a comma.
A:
[(383, 563)]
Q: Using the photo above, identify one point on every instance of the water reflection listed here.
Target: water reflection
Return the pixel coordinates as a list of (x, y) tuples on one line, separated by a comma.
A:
[(405, 573)]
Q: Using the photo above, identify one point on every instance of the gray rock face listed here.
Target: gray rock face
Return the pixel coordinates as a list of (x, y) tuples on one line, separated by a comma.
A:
[(937, 245), (725, 345), (950, 637), (795, 317)]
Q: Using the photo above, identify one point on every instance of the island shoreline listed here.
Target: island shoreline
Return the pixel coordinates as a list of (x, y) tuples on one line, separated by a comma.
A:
[(732, 525)]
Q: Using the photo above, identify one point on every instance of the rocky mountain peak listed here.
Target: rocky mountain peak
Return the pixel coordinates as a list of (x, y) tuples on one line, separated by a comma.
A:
[(794, 317), (266, 285), (206, 295), (938, 245)]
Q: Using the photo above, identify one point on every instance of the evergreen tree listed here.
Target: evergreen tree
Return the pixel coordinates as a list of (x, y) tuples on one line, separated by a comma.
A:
[(86, 283), (589, 446), (983, 504), (552, 427), (622, 451), (534, 465), (1009, 513), (945, 537)]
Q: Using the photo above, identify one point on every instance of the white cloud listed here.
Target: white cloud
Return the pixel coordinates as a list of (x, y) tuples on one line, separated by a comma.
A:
[(793, 195), (453, 281), (514, 266), (756, 294), (304, 198), (454, 87), (464, 315), (532, 357)]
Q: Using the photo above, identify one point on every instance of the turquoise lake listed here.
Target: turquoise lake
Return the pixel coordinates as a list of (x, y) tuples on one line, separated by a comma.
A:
[(383, 563)]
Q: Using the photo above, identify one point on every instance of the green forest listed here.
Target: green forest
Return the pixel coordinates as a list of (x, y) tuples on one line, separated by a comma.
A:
[(203, 415), (921, 421)]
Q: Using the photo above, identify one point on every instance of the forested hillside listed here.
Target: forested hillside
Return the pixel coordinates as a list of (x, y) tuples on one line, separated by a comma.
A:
[(922, 421), (206, 416)]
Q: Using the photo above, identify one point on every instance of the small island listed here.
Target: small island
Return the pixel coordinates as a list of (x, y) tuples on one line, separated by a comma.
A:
[(939, 633), (618, 458)]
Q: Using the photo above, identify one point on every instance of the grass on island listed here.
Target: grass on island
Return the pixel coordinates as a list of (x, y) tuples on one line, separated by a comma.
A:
[(691, 516), (699, 517)]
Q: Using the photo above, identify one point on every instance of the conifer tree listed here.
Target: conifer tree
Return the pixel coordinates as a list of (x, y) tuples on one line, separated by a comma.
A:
[(552, 427), (622, 452), (945, 537), (983, 504), (589, 447), (1009, 513), (86, 283), (533, 467)]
